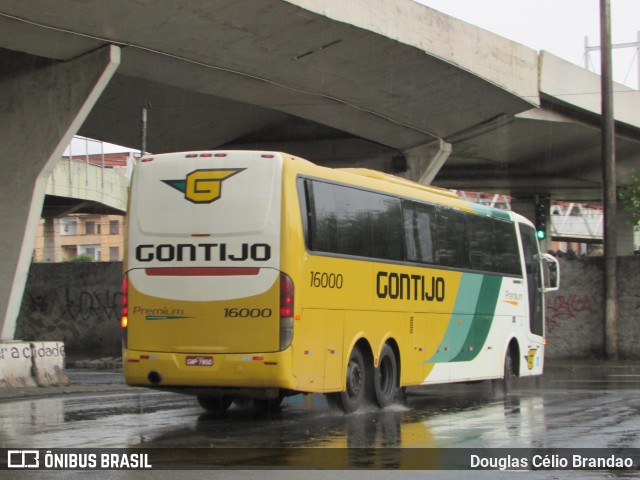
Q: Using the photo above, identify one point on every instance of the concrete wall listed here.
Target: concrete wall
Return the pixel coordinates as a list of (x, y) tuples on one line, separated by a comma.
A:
[(575, 325), (79, 303)]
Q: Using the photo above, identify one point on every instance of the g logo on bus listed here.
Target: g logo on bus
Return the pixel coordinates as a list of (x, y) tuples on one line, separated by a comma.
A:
[(203, 186), (531, 358)]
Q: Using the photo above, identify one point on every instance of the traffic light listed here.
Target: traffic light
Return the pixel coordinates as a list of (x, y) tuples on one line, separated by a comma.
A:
[(541, 221)]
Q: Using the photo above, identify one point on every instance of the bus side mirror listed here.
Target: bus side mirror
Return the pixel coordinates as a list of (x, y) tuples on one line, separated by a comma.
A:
[(550, 273)]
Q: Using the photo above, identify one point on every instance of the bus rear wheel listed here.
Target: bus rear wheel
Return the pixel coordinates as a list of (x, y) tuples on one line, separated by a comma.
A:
[(386, 378), (215, 404), (269, 405), (357, 384)]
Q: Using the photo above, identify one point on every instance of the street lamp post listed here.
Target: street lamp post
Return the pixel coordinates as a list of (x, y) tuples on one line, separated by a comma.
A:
[(609, 186)]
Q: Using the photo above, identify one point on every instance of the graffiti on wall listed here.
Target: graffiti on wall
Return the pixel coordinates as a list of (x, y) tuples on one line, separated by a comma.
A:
[(27, 351), (90, 305), (566, 307), (36, 303), (78, 304)]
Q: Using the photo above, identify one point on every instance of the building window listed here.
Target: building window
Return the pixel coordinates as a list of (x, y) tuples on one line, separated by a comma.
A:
[(68, 227), (93, 250), (92, 227), (114, 227), (114, 254)]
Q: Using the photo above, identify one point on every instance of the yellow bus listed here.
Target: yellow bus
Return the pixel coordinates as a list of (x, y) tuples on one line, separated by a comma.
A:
[(261, 275)]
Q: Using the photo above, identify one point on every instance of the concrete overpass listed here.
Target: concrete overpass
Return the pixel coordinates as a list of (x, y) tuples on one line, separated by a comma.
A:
[(389, 84), (78, 187)]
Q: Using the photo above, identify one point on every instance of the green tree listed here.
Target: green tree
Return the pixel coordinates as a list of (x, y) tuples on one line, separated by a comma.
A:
[(80, 258), (629, 195)]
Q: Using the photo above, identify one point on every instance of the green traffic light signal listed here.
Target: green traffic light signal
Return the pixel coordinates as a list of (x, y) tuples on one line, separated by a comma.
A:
[(541, 221)]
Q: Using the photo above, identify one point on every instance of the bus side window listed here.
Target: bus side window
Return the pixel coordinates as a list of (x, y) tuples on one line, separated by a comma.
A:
[(481, 243), (452, 247), (323, 229), (386, 227), (505, 248), (353, 221), (420, 232)]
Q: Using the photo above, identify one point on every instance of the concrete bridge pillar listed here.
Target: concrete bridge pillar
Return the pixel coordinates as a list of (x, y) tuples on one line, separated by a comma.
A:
[(50, 244), (425, 161), (42, 107)]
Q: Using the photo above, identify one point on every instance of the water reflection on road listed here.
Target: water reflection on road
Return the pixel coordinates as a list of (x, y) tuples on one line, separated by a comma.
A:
[(591, 412), (579, 410), (469, 418)]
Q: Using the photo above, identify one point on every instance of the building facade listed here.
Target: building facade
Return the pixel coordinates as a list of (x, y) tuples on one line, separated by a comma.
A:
[(100, 237)]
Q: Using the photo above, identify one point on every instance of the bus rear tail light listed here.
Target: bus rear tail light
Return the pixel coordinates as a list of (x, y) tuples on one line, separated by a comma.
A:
[(286, 311), (124, 319)]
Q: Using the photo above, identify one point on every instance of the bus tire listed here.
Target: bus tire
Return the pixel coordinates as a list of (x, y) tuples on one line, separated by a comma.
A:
[(268, 405), (356, 385), (502, 386), (215, 404), (385, 378), (508, 373)]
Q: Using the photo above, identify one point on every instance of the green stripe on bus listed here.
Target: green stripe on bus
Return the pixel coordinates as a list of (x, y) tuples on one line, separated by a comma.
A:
[(484, 314), (490, 212), (459, 324), (501, 214)]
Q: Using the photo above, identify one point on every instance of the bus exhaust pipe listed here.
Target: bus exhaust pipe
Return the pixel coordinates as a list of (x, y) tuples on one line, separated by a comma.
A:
[(155, 378)]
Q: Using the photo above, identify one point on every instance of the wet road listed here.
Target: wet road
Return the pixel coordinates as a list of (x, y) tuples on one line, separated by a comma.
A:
[(583, 408)]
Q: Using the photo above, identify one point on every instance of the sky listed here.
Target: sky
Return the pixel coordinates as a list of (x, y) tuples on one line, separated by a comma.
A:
[(557, 26)]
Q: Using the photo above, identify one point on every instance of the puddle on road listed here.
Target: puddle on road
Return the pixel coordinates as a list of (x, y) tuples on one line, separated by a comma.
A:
[(556, 410)]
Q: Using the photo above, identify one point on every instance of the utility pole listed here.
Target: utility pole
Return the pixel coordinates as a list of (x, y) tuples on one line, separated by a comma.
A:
[(609, 187)]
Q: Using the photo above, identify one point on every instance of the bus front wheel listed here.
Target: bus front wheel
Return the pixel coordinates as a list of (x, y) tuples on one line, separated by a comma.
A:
[(269, 405), (386, 378), (502, 385)]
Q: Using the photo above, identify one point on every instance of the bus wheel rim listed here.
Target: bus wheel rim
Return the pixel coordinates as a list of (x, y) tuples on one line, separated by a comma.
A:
[(355, 378)]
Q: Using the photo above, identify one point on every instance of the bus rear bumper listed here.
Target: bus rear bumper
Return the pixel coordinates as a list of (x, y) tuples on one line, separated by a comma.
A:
[(209, 372)]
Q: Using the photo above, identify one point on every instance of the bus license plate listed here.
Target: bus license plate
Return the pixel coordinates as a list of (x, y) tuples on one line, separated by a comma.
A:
[(199, 361)]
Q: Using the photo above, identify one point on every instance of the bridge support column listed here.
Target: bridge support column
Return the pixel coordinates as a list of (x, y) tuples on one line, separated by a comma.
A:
[(424, 162), (50, 244), (42, 108)]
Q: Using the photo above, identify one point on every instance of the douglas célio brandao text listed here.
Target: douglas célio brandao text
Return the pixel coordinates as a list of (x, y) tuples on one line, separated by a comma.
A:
[(550, 462)]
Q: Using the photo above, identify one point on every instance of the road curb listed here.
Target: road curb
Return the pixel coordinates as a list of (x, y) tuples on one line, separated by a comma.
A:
[(31, 364), (106, 363)]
